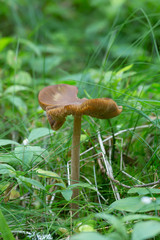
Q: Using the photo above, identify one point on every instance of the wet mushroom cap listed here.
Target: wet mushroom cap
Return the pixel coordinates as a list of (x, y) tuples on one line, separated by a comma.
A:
[(61, 100)]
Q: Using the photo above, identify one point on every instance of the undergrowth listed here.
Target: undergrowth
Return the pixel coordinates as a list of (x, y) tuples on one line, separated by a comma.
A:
[(106, 50)]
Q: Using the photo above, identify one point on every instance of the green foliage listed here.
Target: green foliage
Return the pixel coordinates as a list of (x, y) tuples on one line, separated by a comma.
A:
[(39, 132), (127, 226), (107, 49), (145, 230), (135, 204), (89, 236), (4, 229)]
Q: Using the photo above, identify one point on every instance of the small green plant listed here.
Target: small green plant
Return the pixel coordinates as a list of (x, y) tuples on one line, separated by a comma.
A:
[(127, 218)]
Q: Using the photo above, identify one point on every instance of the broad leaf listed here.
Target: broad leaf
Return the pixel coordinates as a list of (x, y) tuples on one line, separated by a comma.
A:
[(145, 230), (18, 103), (23, 78), (7, 169), (89, 236), (15, 88), (4, 42), (30, 45), (134, 204), (82, 185), (4, 142), (38, 133), (67, 194), (133, 217), (25, 155), (31, 181), (115, 222), (46, 64), (45, 173), (144, 191), (13, 60)]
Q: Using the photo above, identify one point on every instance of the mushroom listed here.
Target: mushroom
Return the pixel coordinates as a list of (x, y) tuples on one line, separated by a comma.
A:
[(61, 100)]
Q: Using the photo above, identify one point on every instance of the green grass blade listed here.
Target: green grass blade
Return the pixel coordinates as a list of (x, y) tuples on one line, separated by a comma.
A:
[(4, 229)]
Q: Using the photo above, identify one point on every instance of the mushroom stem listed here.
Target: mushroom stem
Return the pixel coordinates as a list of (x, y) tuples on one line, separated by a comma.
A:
[(75, 159)]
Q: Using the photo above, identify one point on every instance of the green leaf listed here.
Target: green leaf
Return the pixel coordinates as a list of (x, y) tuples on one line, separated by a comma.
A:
[(45, 64), (12, 60), (72, 77), (39, 154), (45, 173), (144, 191), (31, 181), (7, 169), (115, 222), (4, 142), (145, 230), (89, 236), (83, 185), (38, 133), (16, 88), (133, 217), (4, 229), (121, 74), (59, 185), (25, 155), (122, 70), (28, 155), (23, 78), (10, 159), (18, 103), (115, 236), (67, 194), (30, 45), (134, 204), (4, 42), (86, 228)]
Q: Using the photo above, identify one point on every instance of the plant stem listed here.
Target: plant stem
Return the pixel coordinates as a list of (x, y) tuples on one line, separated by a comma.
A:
[(75, 159)]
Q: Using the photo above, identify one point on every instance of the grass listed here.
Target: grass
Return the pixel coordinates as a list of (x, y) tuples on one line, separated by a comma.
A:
[(105, 53)]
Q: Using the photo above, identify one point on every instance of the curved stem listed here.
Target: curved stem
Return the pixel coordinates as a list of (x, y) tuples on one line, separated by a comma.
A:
[(75, 158)]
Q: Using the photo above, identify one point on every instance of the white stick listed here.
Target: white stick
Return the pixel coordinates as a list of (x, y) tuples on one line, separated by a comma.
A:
[(108, 167), (116, 134)]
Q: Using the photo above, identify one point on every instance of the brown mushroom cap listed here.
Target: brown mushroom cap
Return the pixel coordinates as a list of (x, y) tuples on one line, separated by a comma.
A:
[(61, 100)]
